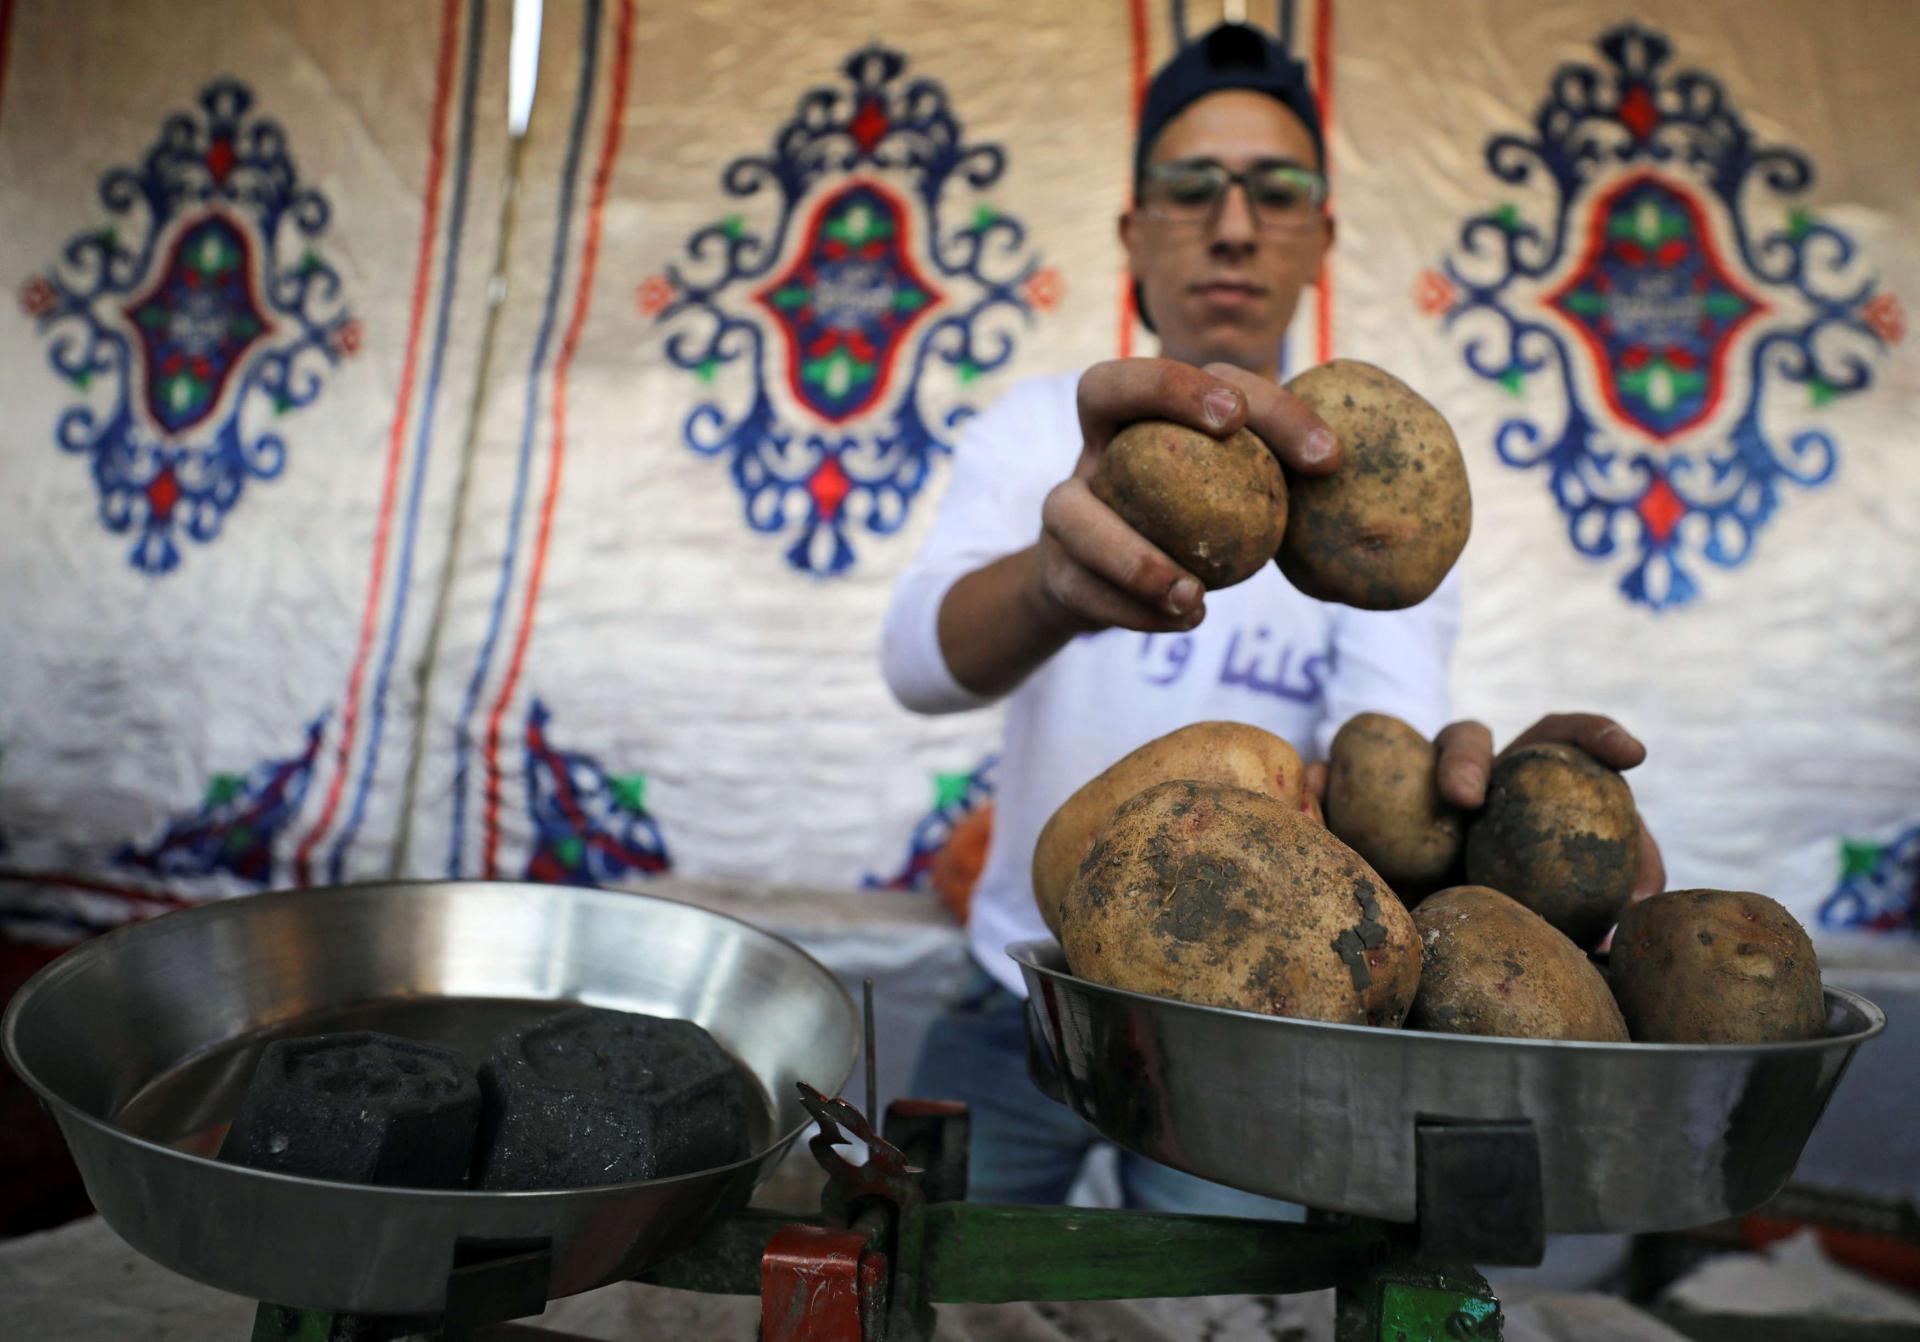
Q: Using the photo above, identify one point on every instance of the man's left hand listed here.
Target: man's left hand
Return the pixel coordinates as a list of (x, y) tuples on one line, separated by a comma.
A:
[(1466, 763)]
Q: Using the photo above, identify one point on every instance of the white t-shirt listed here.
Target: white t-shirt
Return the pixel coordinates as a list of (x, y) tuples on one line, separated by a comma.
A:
[(1264, 655)]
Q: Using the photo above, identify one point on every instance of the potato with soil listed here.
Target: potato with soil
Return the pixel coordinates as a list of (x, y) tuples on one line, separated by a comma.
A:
[(1216, 507), (1383, 799), (1489, 965), (1559, 832), (1383, 529), (1212, 752), (1715, 967), (1213, 894)]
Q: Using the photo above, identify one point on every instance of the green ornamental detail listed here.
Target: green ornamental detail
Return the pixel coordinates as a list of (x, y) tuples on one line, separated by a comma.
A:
[(1860, 857), (949, 789), (835, 373), (858, 225), (223, 788), (1649, 224), (1661, 385), (629, 792)]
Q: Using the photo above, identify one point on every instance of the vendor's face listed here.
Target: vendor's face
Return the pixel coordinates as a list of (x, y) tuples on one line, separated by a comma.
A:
[(1226, 288)]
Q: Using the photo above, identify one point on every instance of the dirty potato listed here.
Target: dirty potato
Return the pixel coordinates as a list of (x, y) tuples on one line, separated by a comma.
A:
[(1559, 833), (1383, 799), (1383, 530), (1715, 967), (1217, 895), (1489, 965), (1216, 507), (1214, 752)]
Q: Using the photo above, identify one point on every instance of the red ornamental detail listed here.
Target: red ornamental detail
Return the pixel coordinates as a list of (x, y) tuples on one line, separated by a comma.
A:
[(1638, 113), (37, 297), (1883, 314), (162, 494), (869, 125), (829, 487), (656, 291), (1046, 289), (1433, 293), (1661, 509), (348, 337), (220, 159)]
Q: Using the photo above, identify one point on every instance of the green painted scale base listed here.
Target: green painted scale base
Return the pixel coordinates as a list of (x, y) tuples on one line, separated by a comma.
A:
[(905, 1199), (976, 1253)]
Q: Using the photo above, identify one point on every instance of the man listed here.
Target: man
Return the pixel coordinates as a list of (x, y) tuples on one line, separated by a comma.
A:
[(1030, 588)]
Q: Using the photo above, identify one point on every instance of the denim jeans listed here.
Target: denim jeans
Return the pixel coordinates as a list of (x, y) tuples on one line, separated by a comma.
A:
[(1025, 1148)]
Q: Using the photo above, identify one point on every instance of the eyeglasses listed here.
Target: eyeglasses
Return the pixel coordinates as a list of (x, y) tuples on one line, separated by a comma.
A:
[(1281, 196)]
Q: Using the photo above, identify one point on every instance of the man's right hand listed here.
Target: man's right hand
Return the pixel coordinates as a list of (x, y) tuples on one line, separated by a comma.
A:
[(1090, 570)]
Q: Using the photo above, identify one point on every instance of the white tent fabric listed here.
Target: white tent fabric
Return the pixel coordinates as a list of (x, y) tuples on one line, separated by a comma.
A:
[(249, 244), (669, 540)]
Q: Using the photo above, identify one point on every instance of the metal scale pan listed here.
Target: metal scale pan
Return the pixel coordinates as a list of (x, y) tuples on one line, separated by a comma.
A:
[(142, 1042), (1630, 1137)]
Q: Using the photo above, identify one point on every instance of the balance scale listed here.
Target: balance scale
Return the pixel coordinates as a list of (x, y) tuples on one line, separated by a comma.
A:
[(1418, 1155)]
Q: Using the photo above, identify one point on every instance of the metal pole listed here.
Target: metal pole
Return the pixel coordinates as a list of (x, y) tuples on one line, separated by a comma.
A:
[(866, 1002)]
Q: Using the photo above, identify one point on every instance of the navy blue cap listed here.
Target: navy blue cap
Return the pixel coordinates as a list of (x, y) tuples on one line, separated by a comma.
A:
[(1232, 56)]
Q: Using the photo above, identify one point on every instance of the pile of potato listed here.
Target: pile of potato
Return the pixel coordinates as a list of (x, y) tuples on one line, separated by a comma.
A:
[(1196, 869), (1199, 867)]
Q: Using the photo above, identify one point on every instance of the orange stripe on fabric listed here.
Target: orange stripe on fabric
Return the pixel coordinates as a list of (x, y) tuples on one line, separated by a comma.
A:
[(1323, 98), (396, 436), (582, 300), (1139, 73)]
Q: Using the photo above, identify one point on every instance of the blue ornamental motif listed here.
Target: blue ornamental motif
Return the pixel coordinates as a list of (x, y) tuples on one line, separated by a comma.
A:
[(1879, 887), (590, 827), (866, 182), (956, 796), (199, 315), (237, 822), (1666, 310)]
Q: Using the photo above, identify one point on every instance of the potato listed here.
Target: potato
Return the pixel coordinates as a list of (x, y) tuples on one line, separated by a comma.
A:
[(1489, 965), (1383, 799), (1213, 752), (1217, 508), (1214, 894), (1382, 530), (1715, 967), (1559, 833)]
